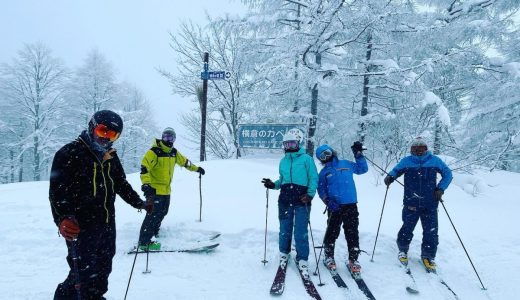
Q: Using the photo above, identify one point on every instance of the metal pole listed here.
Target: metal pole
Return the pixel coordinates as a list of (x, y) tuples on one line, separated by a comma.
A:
[(77, 280), (379, 226), (265, 234), (200, 193), (203, 107)]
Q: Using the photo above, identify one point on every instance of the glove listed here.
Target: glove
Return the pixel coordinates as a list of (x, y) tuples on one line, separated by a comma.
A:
[(438, 194), (148, 205), (388, 180), (148, 190), (201, 171), (357, 149), (268, 183), (69, 228), (305, 198), (332, 205)]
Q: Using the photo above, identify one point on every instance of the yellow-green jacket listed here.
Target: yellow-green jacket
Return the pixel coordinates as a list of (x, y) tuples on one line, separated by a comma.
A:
[(158, 166)]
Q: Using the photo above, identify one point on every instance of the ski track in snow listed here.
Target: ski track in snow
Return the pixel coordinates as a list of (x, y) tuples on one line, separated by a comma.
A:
[(33, 261)]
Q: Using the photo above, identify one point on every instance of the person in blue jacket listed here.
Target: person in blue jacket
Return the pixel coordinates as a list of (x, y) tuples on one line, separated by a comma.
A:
[(297, 185), (421, 199), (337, 189)]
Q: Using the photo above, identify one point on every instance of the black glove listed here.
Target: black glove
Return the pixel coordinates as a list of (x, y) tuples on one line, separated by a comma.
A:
[(148, 205), (438, 194), (305, 198), (148, 190), (388, 180), (268, 183), (201, 171), (357, 149)]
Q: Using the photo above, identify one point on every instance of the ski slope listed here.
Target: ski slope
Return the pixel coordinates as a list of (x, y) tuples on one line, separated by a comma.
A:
[(234, 203)]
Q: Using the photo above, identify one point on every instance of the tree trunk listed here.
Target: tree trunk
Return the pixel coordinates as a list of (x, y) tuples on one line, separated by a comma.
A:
[(314, 112), (366, 81)]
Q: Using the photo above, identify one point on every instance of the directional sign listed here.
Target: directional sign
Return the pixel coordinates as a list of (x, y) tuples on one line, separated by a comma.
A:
[(215, 75), (264, 136)]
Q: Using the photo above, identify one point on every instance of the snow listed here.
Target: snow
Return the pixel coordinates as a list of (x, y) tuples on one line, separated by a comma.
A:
[(234, 203), (513, 68), (431, 98)]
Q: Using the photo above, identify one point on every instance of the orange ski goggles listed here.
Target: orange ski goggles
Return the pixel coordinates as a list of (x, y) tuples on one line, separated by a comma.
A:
[(102, 131)]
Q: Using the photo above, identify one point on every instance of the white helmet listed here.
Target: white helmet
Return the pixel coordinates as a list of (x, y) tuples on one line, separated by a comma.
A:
[(292, 139)]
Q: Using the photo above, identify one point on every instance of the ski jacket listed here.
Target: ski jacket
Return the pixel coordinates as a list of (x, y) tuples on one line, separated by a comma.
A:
[(83, 186), (158, 166), (298, 175), (420, 179), (336, 180)]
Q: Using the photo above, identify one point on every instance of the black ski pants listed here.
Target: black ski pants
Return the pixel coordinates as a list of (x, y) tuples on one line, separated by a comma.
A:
[(347, 215), (152, 222), (95, 247)]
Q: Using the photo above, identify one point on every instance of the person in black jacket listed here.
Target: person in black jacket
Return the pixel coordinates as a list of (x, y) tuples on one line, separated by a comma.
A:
[(85, 177)]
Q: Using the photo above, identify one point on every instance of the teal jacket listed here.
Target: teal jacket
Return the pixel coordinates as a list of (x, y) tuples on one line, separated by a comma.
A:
[(298, 168)]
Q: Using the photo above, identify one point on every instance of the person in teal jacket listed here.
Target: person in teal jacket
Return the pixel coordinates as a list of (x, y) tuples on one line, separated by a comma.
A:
[(297, 184)]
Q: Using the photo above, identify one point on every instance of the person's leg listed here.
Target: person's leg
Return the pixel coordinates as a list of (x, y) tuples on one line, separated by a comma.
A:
[(286, 218), (301, 234), (404, 237), (350, 217), (331, 233), (430, 226), (105, 252), (153, 220), (166, 207)]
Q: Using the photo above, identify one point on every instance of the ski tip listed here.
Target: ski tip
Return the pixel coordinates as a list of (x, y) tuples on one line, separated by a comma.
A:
[(411, 290)]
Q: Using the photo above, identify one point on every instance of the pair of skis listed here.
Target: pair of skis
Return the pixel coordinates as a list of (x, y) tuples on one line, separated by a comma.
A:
[(195, 249), (411, 286), (278, 285), (357, 278)]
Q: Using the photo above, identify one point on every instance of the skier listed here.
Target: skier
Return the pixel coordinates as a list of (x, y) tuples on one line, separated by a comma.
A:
[(157, 168), (297, 182), (337, 190), (85, 177), (421, 199)]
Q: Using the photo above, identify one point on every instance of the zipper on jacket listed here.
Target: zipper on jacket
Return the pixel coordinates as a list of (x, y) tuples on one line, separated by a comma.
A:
[(106, 191), (109, 177), (94, 181), (290, 169)]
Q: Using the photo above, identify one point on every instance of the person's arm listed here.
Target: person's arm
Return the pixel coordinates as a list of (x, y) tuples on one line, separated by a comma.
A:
[(62, 186), (313, 177), (182, 161), (323, 190), (399, 169), (121, 185), (147, 164), (446, 175), (278, 183), (360, 166)]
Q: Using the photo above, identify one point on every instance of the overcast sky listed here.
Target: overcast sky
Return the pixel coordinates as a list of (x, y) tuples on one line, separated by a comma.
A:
[(132, 34)]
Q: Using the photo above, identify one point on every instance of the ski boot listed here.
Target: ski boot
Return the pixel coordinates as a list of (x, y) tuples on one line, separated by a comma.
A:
[(403, 258), (329, 263), (354, 268), (284, 257), (303, 267), (429, 264), (152, 246)]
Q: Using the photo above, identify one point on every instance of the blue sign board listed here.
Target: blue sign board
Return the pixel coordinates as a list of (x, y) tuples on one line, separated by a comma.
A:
[(265, 136), (215, 75)]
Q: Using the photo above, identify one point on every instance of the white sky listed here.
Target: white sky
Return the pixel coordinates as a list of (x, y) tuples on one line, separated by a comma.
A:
[(132, 34)]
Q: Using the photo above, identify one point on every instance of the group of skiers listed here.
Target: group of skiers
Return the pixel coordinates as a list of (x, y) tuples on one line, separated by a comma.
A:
[(87, 174), (299, 180)]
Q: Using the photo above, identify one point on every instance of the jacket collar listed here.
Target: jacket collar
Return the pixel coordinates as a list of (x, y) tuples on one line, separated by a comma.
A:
[(159, 144), (423, 158)]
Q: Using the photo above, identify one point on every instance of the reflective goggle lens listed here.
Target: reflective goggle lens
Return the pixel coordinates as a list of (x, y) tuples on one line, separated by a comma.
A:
[(103, 132), (326, 154), (290, 145), (168, 138)]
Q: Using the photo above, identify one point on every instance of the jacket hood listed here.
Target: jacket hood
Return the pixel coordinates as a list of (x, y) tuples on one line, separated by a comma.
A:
[(295, 154), (157, 143), (423, 158)]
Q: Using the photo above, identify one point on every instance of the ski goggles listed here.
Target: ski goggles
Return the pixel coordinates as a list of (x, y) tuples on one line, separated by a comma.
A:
[(325, 155), (291, 145), (168, 137), (103, 131)]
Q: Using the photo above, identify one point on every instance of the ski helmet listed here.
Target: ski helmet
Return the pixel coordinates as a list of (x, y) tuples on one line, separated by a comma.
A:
[(105, 127), (292, 139), (325, 153), (168, 136), (419, 146)]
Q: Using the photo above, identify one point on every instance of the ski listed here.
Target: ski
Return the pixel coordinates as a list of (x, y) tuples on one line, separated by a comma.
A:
[(361, 285), (336, 277), (279, 280), (210, 238), (309, 286), (443, 283), (411, 286), (198, 249)]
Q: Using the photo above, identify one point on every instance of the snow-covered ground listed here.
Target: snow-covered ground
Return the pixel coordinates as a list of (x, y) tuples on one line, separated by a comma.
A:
[(33, 256)]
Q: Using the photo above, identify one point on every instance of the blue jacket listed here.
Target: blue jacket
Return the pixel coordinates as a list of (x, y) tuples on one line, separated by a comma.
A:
[(336, 179), (420, 179), (297, 169)]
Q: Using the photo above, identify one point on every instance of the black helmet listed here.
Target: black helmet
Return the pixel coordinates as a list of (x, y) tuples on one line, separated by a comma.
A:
[(111, 120)]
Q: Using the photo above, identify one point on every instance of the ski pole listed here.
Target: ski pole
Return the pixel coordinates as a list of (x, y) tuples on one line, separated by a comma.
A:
[(313, 248), (132, 271), (322, 243), (375, 165), (200, 192), (265, 233), (379, 226), (146, 271), (77, 282), (458, 236)]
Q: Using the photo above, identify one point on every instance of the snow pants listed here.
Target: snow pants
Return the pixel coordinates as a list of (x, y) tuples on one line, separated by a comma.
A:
[(152, 222), (347, 215), (95, 247), (297, 217), (430, 226)]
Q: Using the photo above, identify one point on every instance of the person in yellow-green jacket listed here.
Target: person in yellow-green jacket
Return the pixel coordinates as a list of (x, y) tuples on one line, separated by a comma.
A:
[(157, 168)]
